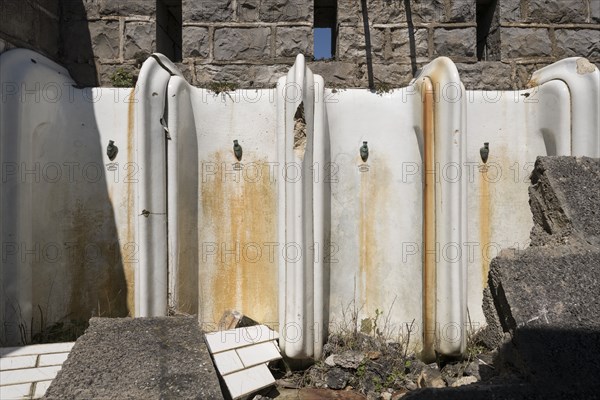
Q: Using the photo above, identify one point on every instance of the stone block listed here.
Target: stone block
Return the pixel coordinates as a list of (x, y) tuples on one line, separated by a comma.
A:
[(509, 10), (385, 12), (486, 75), (74, 10), (293, 41), (286, 11), (557, 11), (396, 75), (248, 10), (401, 47), (455, 43), (461, 11), (337, 73), (195, 42), (77, 43), (127, 8), (104, 36), (242, 43), (428, 10), (595, 11), (243, 75), (348, 12), (525, 42), (577, 43), (141, 358), (140, 40), (207, 10), (352, 44)]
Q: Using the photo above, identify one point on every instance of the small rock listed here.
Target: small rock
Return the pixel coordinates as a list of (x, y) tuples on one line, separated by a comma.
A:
[(431, 377), (373, 355), (465, 380), (473, 370), (410, 385), (348, 359), (337, 378), (398, 394), (330, 361), (386, 396)]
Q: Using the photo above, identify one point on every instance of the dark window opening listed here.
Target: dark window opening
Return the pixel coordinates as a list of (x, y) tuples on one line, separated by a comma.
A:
[(168, 28), (325, 29), (487, 30)]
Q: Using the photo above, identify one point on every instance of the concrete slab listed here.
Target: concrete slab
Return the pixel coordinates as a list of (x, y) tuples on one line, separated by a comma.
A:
[(141, 358), (546, 297)]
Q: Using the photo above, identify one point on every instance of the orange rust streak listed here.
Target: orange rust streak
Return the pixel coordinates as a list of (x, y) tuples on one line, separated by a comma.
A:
[(239, 217), (429, 235), (484, 223)]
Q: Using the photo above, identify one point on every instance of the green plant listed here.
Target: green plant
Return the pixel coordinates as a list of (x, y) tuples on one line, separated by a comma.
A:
[(222, 86), (382, 87), (122, 78)]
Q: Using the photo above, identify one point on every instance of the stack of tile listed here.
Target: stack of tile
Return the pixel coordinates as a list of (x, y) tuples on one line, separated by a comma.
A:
[(241, 356), (26, 372)]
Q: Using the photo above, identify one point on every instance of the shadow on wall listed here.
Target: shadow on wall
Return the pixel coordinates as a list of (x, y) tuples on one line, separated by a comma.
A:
[(65, 258), (75, 45)]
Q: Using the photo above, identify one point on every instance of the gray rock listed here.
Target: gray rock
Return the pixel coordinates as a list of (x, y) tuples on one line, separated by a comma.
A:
[(564, 199), (140, 38), (428, 10), (525, 42), (141, 358), (348, 359), (284, 10), (337, 73), (248, 10), (431, 377), (207, 10), (293, 41), (472, 369), (509, 10), (577, 43), (195, 41), (461, 11), (352, 44), (105, 38), (557, 11), (242, 43), (464, 380), (595, 11), (245, 76), (486, 75), (401, 43), (126, 8), (337, 378), (455, 43)]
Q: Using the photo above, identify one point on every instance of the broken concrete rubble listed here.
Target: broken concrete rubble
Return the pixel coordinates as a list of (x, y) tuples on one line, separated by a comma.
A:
[(141, 358)]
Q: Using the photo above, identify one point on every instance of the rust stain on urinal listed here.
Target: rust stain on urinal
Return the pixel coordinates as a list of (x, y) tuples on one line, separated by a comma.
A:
[(238, 269)]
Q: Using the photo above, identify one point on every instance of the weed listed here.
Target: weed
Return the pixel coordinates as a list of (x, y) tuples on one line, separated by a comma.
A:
[(122, 78), (222, 87)]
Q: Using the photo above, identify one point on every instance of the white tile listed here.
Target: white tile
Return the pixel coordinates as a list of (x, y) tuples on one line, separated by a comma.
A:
[(15, 376), (36, 349), (228, 362), (248, 380), (234, 338), (40, 389), (47, 360), (258, 354), (13, 392), (17, 362)]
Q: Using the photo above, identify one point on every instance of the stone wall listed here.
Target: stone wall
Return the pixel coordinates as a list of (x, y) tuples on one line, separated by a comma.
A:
[(32, 24), (252, 42)]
